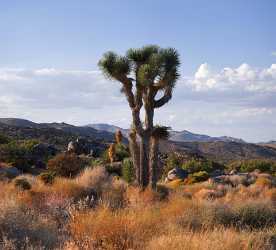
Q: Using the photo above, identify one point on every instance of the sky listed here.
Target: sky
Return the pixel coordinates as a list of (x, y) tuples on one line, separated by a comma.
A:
[(49, 52)]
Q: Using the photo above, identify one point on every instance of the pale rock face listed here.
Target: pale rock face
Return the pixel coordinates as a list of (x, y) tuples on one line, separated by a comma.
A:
[(71, 146), (176, 173)]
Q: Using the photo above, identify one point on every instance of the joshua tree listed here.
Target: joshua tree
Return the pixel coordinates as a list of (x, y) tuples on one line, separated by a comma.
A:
[(111, 152), (118, 136), (148, 76)]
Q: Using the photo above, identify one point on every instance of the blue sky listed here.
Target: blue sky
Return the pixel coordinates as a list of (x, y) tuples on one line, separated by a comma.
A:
[(70, 36)]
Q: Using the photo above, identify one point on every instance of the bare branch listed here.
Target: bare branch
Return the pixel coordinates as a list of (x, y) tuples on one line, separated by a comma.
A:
[(164, 99)]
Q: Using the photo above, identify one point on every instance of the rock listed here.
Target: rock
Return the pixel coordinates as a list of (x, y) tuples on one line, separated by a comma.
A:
[(232, 172), (234, 179), (217, 172), (8, 172), (176, 173), (71, 147), (83, 146)]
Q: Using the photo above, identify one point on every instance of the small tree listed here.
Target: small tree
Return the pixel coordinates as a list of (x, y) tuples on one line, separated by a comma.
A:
[(118, 137), (143, 73), (111, 152)]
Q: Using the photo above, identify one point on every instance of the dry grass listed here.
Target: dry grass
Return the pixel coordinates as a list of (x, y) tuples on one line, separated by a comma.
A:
[(96, 211)]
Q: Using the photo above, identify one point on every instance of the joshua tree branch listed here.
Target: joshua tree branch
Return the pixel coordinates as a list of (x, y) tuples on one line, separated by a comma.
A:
[(164, 99), (132, 101)]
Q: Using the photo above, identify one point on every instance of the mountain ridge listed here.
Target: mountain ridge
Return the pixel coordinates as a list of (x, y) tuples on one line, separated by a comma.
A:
[(178, 136), (59, 134)]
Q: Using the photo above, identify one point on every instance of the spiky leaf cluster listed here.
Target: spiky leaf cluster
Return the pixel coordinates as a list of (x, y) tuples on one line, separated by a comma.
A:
[(152, 66), (161, 132)]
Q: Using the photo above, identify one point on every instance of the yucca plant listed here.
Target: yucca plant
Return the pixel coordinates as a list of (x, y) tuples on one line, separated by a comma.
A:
[(143, 73)]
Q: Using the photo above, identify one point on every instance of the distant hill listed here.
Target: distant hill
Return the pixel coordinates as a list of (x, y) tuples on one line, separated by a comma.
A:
[(108, 127), (220, 151), (59, 133), (19, 122), (270, 144), (182, 136), (179, 136)]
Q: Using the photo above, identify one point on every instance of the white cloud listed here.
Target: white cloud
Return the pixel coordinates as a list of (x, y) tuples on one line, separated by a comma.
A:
[(273, 53), (244, 78), (217, 102)]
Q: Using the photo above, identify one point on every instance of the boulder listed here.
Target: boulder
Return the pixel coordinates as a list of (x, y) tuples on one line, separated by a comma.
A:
[(176, 173), (82, 146), (217, 172), (8, 172)]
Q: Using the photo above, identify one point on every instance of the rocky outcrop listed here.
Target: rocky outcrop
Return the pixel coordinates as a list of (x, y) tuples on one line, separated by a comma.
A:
[(83, 146), (234, 178), (8, 172), (176, 173)]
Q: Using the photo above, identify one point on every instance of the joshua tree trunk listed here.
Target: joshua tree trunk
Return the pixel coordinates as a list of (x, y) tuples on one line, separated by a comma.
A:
[(153, 161), (144, 161), (134, 149)]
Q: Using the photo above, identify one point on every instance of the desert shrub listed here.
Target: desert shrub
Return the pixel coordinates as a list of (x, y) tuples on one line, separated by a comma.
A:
[(67, 165), (15, 154), (94, 178), (48, 177), (197, 177), (201, 176), (122, 151), (105, 156), (217, 239), (4, 139), (254, 216), (194, 165), (22, 183), (29, 144), (268, 166), (128, 172), (114, 168), (175, 183), (96, 162), (24, 228), (270, 194), (263, 182), (113, 195)]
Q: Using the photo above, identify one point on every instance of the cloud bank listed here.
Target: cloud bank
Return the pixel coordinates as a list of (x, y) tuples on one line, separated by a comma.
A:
[(233, 101)]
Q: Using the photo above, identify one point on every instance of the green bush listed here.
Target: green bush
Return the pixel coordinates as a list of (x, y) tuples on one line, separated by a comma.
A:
[(197, 177), (48, 177), (29, 144), (15, 154), (96, 162), (23, 184), (18, 153), (121, 151), (66, 165), (194, 165), (114, 169), (267, 166), (4, 139), (128, 170)]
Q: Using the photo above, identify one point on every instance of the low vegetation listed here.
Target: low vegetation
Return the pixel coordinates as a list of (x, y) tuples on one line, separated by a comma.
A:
[(95, 210)]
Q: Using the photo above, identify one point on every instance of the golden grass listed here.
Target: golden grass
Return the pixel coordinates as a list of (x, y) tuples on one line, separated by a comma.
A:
[(199, 216)]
